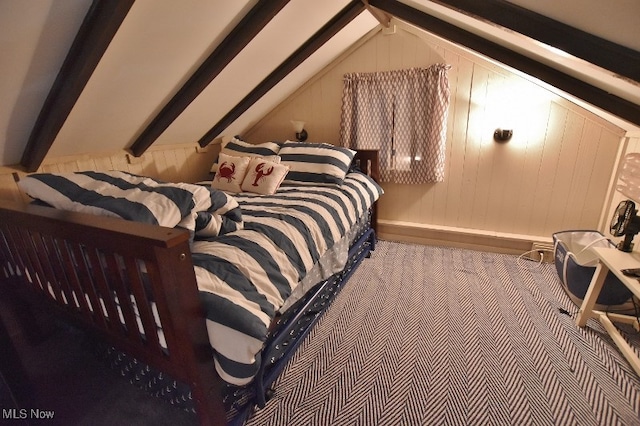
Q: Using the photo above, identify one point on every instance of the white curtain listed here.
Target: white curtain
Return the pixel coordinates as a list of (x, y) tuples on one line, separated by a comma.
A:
[(403, 114)]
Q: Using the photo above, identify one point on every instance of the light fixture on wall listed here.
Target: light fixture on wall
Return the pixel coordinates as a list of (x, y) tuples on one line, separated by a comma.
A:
[(301, 133), (502, 135)]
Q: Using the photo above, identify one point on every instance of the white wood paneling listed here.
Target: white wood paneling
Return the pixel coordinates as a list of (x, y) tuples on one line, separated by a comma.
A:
[(631, 145), (553, 175)]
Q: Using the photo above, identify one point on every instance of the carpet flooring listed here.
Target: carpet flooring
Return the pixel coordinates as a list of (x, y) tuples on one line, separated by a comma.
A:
[(443, 336), (420, 335)]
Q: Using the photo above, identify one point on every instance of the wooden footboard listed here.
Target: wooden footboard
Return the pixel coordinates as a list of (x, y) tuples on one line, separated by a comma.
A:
[(112, 276)]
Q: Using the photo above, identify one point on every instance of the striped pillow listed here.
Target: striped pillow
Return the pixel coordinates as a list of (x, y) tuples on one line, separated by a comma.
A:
[(315, 163), (238, 148)]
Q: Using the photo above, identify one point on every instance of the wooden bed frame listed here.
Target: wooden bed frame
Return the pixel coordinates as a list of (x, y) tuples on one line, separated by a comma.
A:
[(44, 250)]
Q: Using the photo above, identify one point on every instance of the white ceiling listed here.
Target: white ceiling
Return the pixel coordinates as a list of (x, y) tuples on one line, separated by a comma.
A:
[(162, 42), (34, 40)]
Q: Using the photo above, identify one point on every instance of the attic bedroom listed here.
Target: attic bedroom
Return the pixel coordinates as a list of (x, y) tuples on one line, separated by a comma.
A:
[(158, 88), (496, 196)]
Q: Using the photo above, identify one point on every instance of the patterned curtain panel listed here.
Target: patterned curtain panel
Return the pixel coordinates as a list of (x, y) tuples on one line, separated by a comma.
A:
[(402, 113)]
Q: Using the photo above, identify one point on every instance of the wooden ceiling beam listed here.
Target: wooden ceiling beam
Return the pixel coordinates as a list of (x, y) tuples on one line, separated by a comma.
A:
[(600, 98), (603, 53), (98, 28), (346, 15), (250, 25)]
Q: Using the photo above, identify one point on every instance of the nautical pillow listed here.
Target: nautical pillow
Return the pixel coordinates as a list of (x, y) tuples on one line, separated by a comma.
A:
[(315, 163), (231, 172), (264, 177), (239, 148)]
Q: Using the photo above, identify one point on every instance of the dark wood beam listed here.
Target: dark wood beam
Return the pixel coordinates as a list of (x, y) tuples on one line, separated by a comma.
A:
[(603, 53), (94, 36), (346, 15), (250, 25), (600, 98)]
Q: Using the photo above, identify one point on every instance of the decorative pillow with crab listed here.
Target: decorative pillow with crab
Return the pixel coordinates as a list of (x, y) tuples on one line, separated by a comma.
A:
[(231, 173)]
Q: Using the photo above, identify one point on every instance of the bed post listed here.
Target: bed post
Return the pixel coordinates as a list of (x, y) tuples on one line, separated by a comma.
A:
[(368, 162), (190, 338)]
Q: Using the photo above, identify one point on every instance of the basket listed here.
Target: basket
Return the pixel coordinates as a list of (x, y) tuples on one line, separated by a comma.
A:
[(576, 263)]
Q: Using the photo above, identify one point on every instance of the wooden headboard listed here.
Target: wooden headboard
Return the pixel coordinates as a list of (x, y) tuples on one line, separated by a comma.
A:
[(367, 160)]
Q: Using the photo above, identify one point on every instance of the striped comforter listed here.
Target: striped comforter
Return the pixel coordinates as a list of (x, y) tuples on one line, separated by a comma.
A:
[(200, 210), (245, 276)]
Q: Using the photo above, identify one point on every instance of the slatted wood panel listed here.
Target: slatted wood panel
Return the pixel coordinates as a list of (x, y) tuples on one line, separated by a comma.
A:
[(108, 276), (553, 175), (176, 163)]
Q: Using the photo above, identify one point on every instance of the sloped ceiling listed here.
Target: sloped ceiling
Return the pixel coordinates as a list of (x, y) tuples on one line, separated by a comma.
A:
[(96, 76)]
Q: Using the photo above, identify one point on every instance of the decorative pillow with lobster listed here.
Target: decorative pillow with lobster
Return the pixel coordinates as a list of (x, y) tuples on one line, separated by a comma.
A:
[(263, 176), (231, 173)]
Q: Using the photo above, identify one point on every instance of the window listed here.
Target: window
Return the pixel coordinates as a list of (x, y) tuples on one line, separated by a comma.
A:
[(403, 114)]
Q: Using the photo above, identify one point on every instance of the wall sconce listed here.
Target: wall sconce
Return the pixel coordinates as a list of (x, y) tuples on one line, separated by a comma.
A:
[(301, 133), (502, 135)]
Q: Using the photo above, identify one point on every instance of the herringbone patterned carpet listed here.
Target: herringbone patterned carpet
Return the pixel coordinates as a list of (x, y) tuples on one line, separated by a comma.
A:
[(442, 336)]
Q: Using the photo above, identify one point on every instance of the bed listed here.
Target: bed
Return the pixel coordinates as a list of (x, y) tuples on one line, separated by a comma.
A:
[(258, 263)]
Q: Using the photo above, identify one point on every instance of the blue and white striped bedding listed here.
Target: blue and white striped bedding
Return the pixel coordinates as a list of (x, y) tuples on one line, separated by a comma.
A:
[(250, 251), (245, 276), (137, 198)]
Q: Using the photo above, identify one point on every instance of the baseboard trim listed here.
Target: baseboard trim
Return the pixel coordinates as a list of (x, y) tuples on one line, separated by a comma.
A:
[(473, 239)]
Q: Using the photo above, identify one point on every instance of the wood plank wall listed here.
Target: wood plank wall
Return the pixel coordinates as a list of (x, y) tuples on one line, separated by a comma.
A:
[(553, 175), (175, 163), (631, 145)]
